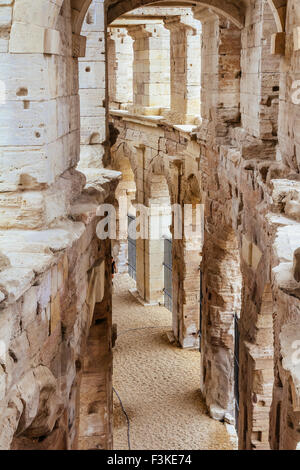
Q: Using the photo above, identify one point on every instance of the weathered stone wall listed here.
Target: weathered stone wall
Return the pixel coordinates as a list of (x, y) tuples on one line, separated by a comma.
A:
[(93, 89), (53, 267), (249, 186), (150, 146), (45, 320), (247, 181)]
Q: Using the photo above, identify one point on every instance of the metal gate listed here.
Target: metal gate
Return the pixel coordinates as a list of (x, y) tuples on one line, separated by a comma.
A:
[(236, 368), (168, 278), (131, 249)]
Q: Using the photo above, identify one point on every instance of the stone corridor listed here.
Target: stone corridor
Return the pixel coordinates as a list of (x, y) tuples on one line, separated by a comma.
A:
[(158, 383)]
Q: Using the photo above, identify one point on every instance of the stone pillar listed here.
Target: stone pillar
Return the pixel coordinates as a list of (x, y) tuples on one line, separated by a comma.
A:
[(190, 308), (93, 90), (220, 71), (222, 285), (39, 122), (260, 74), (120, 68), (151, 76), (185, 50)]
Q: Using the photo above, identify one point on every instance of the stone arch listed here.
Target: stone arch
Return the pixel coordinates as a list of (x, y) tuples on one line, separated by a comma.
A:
[(79, 10), (124, 159), (279, 8), (159, 166), (157, 199), (119, 151), (233, 10)]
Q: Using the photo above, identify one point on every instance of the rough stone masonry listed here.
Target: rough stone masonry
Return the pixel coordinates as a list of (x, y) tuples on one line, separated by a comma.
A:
[(210, 118)]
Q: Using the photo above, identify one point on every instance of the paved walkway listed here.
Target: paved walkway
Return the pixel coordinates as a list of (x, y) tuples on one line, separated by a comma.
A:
[(158, 383)]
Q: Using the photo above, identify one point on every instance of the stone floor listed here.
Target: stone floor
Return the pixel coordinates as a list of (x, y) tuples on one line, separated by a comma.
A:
[(158, 383)]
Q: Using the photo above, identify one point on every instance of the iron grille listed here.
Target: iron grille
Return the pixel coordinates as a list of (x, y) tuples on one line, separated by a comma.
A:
[(168, 278), (131, 249)]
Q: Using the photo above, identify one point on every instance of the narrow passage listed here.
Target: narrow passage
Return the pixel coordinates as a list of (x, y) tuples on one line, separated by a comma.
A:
[(157, 382)]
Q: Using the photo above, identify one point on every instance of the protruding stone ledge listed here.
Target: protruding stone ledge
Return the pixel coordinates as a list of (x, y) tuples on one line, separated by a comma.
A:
[(32, 39), (78, 45)]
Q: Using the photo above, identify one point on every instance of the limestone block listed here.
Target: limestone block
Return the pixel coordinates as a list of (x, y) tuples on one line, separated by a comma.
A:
[(256, 256), (92, 102), (5, 16), (93, 130), (247, 250), (29, 307), (296, 38), (45, 12), (92, 74), (52, 42), (28, 168), (29, 39), (35, 125), (91, 156), (216, 412), (40, 261), (29, 394), (9, 421), (50, 405), (15, 282), (296, 265)]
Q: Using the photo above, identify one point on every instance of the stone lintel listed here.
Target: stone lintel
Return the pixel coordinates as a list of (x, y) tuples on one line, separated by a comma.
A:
[(186, 22), (78, 45), (146, 30)]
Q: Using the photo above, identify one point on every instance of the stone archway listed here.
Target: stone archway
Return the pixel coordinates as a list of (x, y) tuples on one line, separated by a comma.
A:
[(233, 11), (123, 159), (158, 199)]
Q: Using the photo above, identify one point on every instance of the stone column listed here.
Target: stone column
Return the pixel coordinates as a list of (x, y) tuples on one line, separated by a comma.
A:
[(120, 68), (39, 117), (151, 76), (260, 75), (185, 50), (220, 71), (190, 274), (93, 90)]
